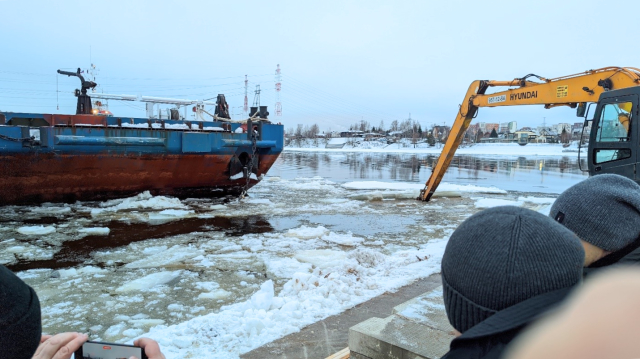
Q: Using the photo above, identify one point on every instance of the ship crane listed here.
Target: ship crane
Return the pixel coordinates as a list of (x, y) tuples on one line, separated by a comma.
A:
[(84, 101)]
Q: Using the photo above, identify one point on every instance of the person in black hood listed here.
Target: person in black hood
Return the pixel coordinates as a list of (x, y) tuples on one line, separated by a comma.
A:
[(502, 268), (20, 327)]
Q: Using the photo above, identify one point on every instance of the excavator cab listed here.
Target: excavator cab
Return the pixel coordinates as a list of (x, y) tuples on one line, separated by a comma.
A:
[(614, 138)]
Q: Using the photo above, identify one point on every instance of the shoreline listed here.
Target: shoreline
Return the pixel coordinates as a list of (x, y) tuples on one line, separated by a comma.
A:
[(483, 149)]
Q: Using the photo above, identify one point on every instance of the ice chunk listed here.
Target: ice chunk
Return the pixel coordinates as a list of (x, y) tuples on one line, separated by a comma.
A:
[(285, 267), (169, 215), (262, 299), (322, 258), (216, 294), (142, 201), (115, 330), (51, 210), (494, 202), (149, 281), (342, 239), (173, 255), (36, 230), (15, 249), (146, 322), (304, 232), (95, 231)]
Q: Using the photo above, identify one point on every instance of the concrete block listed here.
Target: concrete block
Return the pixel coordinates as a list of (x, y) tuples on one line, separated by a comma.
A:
[(395, 337), (418, 329), (426, 309)]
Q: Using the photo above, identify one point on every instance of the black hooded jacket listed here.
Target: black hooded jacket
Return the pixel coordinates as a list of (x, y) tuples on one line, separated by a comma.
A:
[(489, 338)]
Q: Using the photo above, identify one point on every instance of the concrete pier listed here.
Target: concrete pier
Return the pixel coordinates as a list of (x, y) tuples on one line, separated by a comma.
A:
[(417, 329), (331, 335)]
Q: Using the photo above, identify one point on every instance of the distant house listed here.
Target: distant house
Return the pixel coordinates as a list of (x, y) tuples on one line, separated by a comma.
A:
[(526, 135), (351, 133), (440, 132), (547, 134), (372, 136)]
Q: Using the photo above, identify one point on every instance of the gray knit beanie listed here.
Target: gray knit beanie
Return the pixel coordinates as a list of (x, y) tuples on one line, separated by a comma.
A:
[(502, 256), (603, 210)]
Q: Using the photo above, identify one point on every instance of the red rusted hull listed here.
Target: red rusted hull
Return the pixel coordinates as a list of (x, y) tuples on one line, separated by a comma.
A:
[(52, 177)]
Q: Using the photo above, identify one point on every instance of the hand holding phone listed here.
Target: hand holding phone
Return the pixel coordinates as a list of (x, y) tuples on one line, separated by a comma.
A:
[(91, 350), (61, 345), (151, 348)]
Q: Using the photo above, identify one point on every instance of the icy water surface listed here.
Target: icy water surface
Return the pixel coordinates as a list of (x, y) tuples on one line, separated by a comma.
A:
[(323, 232)]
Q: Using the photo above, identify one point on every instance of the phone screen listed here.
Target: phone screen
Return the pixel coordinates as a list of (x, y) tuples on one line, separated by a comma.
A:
[(98, 350)]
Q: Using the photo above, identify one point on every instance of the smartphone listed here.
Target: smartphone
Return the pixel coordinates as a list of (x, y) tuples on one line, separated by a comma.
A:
[(95, 350)]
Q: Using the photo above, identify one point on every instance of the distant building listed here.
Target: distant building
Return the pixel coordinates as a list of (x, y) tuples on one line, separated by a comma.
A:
[(492, 126), (526, 135), (440, 132), (472, 132), (547, 134), (513, 126), (562, 126), (351, 133), (504, 127)]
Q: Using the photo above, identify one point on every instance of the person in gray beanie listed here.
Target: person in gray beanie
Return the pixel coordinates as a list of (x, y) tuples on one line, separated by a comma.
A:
[(604, 212), (502, 268)]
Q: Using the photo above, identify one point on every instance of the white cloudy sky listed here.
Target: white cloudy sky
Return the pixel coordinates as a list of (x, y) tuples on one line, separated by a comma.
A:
[(342, 61)]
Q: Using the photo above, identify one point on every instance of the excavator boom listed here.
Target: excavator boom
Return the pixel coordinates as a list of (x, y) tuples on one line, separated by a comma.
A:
[(571, 90)]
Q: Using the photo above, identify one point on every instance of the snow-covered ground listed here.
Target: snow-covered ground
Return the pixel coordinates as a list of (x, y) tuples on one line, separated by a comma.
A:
[(405, 146), (215, 280)]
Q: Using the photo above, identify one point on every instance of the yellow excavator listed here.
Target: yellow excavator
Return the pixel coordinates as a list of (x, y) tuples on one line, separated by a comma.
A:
[(614, 138)]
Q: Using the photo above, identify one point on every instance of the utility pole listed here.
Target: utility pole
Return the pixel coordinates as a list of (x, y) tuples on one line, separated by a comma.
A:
[(246, 102), (278, 87), (256, 97)]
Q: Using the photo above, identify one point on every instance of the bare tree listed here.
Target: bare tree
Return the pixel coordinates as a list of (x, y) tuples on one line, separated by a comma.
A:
[(394, 126), (313, 131)]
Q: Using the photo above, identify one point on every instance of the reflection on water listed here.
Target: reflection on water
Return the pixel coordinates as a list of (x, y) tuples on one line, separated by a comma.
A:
[(543, 173)]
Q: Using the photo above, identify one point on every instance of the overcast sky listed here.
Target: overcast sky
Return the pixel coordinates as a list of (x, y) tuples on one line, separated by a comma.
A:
[(341, 61)]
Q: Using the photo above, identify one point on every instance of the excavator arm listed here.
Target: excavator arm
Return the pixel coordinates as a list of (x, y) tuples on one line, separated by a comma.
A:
[(572, 90)]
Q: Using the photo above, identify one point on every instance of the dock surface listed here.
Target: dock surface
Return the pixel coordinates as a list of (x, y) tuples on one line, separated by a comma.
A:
[(331, 335)]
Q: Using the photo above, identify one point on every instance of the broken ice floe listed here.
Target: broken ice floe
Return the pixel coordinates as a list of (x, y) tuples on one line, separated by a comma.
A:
[(149, 281), (95, 231), (36, 230)]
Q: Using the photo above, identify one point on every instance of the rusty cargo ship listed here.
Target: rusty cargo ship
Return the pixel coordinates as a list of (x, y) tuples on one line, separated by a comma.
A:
[(92, 156)]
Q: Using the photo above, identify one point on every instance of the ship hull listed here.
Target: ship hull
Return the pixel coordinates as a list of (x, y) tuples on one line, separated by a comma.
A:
[(67, 161), (37, 178)]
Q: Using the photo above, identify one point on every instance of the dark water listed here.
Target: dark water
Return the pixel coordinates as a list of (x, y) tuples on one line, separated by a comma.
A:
[(79, 251), (543, 174)]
